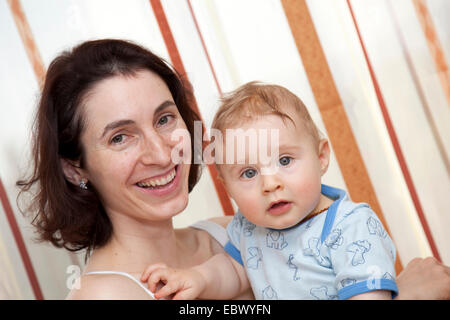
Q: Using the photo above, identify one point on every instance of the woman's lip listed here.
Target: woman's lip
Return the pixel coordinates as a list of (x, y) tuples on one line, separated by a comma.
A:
[(282, 207), (158, 176), (166, 189)]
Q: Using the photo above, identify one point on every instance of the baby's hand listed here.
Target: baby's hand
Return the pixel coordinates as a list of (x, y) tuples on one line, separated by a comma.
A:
[(187, 284)]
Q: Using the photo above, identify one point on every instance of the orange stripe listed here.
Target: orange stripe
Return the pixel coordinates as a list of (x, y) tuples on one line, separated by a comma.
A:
[(178, 65), (415, 77), (20, 243), (28, 41), (330, 105), (396, 146), (434, 45), (39, 71)]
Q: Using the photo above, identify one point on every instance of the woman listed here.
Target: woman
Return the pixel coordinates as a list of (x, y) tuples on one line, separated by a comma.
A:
[(107, 180)]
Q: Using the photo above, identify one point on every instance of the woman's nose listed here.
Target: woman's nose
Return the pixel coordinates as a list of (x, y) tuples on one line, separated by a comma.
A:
[(155, 150), (271, 183)]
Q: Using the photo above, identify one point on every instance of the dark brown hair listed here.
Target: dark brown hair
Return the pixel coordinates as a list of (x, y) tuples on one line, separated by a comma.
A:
[(65, 214)]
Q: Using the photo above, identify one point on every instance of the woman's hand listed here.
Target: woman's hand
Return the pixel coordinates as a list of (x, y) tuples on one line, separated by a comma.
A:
[(424, 279)]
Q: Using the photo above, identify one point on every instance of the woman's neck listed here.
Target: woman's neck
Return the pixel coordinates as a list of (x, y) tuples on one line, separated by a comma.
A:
[(136, 244)]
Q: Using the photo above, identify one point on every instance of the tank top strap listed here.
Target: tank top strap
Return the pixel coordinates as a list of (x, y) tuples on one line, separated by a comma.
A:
[(215, 230), (129, 276)]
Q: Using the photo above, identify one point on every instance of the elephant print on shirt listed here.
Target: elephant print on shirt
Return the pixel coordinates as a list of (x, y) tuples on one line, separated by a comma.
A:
[(334, 239), (269, 294), (375, 227), (358, 248), (255, 255), (275, 239), (314, 251)]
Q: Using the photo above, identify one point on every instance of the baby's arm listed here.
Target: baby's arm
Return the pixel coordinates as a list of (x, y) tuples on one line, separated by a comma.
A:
[(218, 278), (362, 255), (373, 295)]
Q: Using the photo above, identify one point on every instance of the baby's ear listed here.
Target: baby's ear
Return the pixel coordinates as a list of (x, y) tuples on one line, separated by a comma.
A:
[(72, 171), (222, 180), (324, 155)]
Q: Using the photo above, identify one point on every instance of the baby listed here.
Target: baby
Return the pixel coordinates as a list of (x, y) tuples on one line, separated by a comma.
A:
[(292, 237)]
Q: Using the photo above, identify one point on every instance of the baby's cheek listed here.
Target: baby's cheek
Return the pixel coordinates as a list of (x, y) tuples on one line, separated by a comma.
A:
[(251, 208), (306, 184)]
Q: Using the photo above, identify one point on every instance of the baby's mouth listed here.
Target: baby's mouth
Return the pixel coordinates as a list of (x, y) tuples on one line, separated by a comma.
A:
[(160, 182), (278, 204), (279, 207)]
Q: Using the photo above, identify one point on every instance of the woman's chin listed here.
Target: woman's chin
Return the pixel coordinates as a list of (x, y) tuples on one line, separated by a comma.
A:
[(178, 206), (175, 205)]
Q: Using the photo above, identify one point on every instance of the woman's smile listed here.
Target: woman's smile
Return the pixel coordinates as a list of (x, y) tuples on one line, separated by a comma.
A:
[(162, 185), (158, 181)]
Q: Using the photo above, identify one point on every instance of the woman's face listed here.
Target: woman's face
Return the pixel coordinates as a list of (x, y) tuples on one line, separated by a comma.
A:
[(127, 140)]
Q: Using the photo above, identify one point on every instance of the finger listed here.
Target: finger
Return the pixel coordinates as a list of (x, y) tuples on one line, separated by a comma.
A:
[(150, 269), (184, 295), (168, 289), (154, 279), (187, 294), (414, 262), (447, 270), (157, 276)]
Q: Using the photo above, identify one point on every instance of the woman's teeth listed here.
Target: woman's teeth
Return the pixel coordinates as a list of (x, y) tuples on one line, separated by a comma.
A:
[(158, 182)]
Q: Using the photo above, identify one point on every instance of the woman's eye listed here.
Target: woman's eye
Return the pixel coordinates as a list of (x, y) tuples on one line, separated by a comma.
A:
[(284, 161), (249, 173), (117, 139), (164, 120)]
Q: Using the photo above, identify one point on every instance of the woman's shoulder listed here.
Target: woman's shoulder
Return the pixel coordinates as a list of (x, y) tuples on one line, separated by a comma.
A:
[(205, 236), (213, 228), (204, 228), (222, 221), (108, 286)]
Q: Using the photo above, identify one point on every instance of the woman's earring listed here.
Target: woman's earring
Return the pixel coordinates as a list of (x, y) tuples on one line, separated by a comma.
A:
[(83, 185)]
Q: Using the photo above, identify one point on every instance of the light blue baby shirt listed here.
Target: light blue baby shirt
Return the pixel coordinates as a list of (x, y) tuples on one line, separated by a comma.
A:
[(337, 254)]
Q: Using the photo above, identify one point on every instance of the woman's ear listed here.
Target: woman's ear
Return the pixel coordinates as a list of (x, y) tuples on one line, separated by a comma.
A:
[(72, 171), (324, 155)]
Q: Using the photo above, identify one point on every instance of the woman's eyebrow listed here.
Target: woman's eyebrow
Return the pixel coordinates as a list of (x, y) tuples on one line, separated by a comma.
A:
[(164, 105), (124, 122), (116, 124)]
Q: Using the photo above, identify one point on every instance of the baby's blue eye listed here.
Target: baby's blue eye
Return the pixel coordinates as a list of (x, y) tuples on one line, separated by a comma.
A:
[(284, 161), (249, 173)]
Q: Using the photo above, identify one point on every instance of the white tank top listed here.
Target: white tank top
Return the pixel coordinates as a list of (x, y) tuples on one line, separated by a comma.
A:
[(215, 230)]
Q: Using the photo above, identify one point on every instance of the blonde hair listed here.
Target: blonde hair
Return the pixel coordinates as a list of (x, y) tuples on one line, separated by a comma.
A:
[(255, 99)]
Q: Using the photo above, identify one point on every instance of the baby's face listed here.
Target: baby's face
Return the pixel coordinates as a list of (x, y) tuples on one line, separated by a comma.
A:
[(281, 193)]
